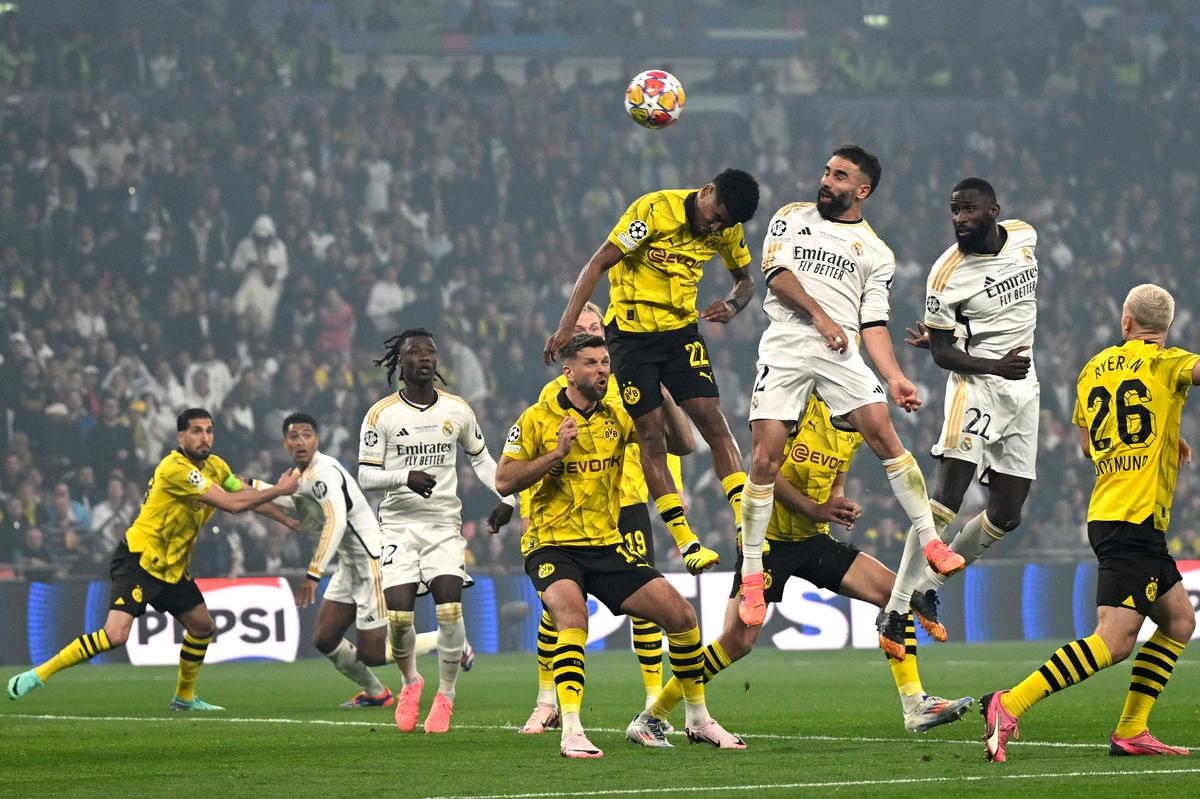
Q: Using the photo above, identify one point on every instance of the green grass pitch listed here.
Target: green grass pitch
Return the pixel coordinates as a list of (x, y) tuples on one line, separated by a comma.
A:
[(817, 723)]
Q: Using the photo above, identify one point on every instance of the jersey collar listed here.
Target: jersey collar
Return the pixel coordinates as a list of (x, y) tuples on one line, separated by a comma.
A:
[(567, 406), (415, 406)]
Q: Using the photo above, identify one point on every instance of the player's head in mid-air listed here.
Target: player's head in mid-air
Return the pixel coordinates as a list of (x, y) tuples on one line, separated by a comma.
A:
[(586, 365), (195, 433), (590, 321), (851, 175), (729, 198), (1147, 313), (413, 354), (974, 211), (301, 438)]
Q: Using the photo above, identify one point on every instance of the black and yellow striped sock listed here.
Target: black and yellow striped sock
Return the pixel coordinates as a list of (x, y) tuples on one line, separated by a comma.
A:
[(670, 508), (904, 672), (687, 664), (733, 485), (569, 668), (83, 648), (1151, 670), (191, 658), (715, 661), (647, 643), (1070, 664), (547, 642)]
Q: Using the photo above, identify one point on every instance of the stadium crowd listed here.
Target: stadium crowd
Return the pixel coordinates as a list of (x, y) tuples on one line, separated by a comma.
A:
[(189, 218)]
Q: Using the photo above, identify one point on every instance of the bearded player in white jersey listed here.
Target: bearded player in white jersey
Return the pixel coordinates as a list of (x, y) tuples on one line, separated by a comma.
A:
[(980, 316), (409, 446), (829, 277)]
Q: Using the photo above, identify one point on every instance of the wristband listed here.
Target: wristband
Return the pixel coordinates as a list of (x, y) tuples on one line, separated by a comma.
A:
[(732, 303), (316, 578), (232, 484)]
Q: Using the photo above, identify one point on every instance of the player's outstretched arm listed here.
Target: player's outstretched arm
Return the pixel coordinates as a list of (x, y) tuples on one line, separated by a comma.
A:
[(601, 261), (272, 511), (1013, 366), (878, 343), (249, 498)]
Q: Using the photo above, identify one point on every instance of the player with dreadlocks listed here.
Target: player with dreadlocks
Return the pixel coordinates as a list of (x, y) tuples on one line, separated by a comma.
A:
[(408, 447)]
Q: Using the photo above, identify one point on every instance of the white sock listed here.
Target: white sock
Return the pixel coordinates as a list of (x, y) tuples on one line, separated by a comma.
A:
[(975, 537), (696, 715), (451, 634), (570, 725), (910, 701), (908, 575), (402, 637), (547, 696), (425, 643), (908, 484), (345, 659), (757, 502)]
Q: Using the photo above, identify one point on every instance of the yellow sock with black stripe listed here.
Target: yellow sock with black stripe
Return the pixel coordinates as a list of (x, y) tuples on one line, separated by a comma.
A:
[(569, 669), (904, 672), (1070, 664), (82, 649), (715, 661), (687, 665), (670, 508), (191, 658), (1151, 670), (547, 642), (733, 484), (647, 643)]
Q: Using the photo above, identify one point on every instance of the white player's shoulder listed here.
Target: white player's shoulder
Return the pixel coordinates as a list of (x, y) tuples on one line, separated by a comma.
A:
[(455, 403), (376, 410), (795, 210), (1022, 232), (950, 253)]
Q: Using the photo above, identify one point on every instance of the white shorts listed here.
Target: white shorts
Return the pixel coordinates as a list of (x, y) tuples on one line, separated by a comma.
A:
[(358, 582), (991, 422), (793, 360), (416, 553)]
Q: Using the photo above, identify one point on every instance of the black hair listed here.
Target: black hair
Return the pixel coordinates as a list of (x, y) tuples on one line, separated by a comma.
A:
[(976, 184), (299, 418), (185, 419), (391, 358), (865, 161), (580, 341), (738, 192)]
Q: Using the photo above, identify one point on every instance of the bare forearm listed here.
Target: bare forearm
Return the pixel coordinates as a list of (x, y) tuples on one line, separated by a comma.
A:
[(953, 359), (790, 291), (585, 284), (513, 476), (793, 498), (878, 343), (742, 292), (272, 511)]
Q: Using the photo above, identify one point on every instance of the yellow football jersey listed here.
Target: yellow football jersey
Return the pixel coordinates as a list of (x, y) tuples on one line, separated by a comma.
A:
[(1129, 399), (653, 288), (815, 455), (172, 514), (579, 501)]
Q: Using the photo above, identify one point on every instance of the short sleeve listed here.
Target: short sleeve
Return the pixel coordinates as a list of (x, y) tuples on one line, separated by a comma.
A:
[(776, 254), (733, 247), (939, 313), (372, 442), (470, 438), (182, 480), (522, 443), (636, 226), (876, 304), (1175, 368), (1077, 415)]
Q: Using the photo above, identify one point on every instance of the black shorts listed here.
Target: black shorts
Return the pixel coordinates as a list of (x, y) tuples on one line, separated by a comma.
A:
[(677, 359), (603, 572), (634, 524), (821, 559), (133, 588), (1135, 566)]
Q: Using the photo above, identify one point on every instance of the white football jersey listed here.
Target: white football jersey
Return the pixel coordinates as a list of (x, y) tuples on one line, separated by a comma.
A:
[(399, 435), (989, 300), (843, 265)]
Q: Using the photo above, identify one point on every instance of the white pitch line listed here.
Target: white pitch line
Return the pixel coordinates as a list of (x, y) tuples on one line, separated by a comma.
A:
[(815, 785), (503, 727)]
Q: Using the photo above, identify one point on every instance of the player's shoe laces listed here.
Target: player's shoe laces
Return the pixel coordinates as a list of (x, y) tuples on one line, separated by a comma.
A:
[(698, 558), (577, 746), (942, 559), (408, 706), (890, 625), (1142, 744), (467, 660), (440, 712), (998, 726), (195, 704), (23, 683), (646, 730), (935, 711), (710, 732), (752, 607), (364, 699), (925, 606), (544, 717)]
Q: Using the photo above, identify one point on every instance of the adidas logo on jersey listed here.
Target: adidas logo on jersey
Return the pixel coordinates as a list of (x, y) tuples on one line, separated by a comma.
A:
[(402, 431), (804, 232)]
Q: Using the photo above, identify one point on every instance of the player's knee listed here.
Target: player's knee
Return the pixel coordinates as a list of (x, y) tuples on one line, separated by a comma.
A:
[(680, 617), (117, 636), (202, 629), (1181, 627), (1119, 646), (1005, 519), (325, 642), (764, 465)]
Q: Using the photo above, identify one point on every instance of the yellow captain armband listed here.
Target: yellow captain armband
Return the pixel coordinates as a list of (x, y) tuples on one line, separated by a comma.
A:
[(232, 483)]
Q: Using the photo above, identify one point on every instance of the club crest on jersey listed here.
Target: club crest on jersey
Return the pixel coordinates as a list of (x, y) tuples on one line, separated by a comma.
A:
[(610, 431), (1152, 589), (320, 489), (932, 305), (370, 438), (195, 478), (1027, 254), (857, 248), (631, 395), (778, 227), (545, 570), (447, 428)]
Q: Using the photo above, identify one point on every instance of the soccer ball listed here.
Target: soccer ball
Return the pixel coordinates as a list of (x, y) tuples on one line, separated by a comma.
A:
[(654, 99)]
